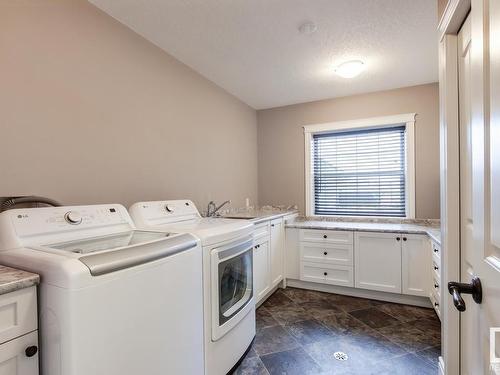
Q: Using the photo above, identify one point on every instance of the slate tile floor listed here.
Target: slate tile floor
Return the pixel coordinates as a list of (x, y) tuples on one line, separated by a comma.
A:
[(298, 331)]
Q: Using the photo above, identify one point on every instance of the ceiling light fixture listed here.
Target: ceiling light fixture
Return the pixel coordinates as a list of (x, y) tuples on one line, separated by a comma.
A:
[(308, 28), (350, 69)]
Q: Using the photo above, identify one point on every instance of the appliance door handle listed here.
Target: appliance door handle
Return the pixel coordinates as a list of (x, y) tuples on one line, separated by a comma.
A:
[(111, 261), (233, 250)]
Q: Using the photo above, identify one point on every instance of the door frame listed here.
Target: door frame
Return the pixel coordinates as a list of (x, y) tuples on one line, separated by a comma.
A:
[(454, 15)]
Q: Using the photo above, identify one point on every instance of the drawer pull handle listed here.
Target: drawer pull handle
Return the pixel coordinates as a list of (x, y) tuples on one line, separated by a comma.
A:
[(325, 253), (436, 286), (436, 250), (325, 273), (436, 304), (272, 225), (404, 238), (325, 236), (436, 268), (31, 351), (398, 238)]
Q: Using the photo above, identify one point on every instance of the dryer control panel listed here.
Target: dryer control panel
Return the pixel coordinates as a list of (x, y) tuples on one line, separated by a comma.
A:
[(163, 212)]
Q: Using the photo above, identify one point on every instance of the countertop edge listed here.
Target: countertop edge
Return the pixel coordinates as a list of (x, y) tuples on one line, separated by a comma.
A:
[(12, 279), (260, 217), (423, 230)]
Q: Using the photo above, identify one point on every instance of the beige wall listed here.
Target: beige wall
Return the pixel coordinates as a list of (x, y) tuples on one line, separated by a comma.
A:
[(281, 141), (90, 112)]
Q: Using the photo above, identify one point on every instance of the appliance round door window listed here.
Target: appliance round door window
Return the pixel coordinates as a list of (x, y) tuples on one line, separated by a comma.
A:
[(235, 285)]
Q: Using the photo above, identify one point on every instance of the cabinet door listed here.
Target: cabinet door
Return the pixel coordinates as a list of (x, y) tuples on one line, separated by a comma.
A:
[(261, 269), (416, 264), (277, 250), (16, 360), (378, 261)]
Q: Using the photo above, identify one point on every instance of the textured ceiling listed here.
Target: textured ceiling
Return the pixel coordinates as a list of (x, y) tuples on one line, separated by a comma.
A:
[(253, 49)]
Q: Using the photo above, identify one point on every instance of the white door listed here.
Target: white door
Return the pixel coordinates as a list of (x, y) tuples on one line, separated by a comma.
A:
[(261, 269), (277, 248), (377, 259), (416, 265), (480, 190)]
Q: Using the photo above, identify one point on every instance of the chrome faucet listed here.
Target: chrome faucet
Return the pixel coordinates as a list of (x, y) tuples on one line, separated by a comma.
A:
[(212, 209)]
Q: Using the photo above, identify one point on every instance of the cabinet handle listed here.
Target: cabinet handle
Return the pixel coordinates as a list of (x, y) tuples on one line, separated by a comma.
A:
[(31, 351), (325, 273), (398, 238), (272, 225), (325, 236), (436, 286), (436, 250), (436, 268), (436, 304), (325, 253), (404, 238)]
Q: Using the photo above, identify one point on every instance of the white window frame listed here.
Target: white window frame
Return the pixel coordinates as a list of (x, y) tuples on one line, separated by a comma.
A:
[(407, 119)]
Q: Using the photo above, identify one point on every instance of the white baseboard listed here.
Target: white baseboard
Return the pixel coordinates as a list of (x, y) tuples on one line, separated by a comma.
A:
[(268, 294), (362, 293)]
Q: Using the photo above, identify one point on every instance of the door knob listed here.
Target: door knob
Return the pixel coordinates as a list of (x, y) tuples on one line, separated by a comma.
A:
[(456, 289)]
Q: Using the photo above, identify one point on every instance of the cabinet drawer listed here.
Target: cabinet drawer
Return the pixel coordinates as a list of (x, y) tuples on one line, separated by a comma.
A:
[(436, 287), (13, 358), (435, 303), (327, 274), (326, 253), (436, 271), (327, 236), (261, 230), (18, 313), (436, 252)]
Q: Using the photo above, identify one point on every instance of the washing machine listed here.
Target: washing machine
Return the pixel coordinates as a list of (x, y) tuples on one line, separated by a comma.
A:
[(228, 298), (113, 300)]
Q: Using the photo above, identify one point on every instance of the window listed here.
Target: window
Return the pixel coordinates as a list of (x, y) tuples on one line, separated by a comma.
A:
[(361, 168)]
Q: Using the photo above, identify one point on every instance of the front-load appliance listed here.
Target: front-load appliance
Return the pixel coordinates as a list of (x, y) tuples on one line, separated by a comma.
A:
[(229, 303), (113, 300)]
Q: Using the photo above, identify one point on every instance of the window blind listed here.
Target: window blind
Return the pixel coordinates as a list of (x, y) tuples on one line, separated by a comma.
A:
[(360, 172)]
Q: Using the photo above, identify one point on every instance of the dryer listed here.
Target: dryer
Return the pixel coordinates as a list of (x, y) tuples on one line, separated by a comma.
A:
[(228, 298)]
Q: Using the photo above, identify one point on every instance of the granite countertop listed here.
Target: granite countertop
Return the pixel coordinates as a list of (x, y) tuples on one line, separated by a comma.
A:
[(259, 214), (411, 228), (12, 279)]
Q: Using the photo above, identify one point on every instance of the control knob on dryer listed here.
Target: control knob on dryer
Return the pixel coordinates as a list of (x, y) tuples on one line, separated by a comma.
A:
[(73, 217)]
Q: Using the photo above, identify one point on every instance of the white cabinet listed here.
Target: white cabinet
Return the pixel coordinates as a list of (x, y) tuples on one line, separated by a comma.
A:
[(277, 250), (378, 261), (261, 268), (292, 253), (435, 270), (326, 256), (19, 356), (268, 262), (18, 333), (416, 264)]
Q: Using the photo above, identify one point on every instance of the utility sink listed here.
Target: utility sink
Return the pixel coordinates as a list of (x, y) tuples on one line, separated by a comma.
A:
[(239, 217)]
